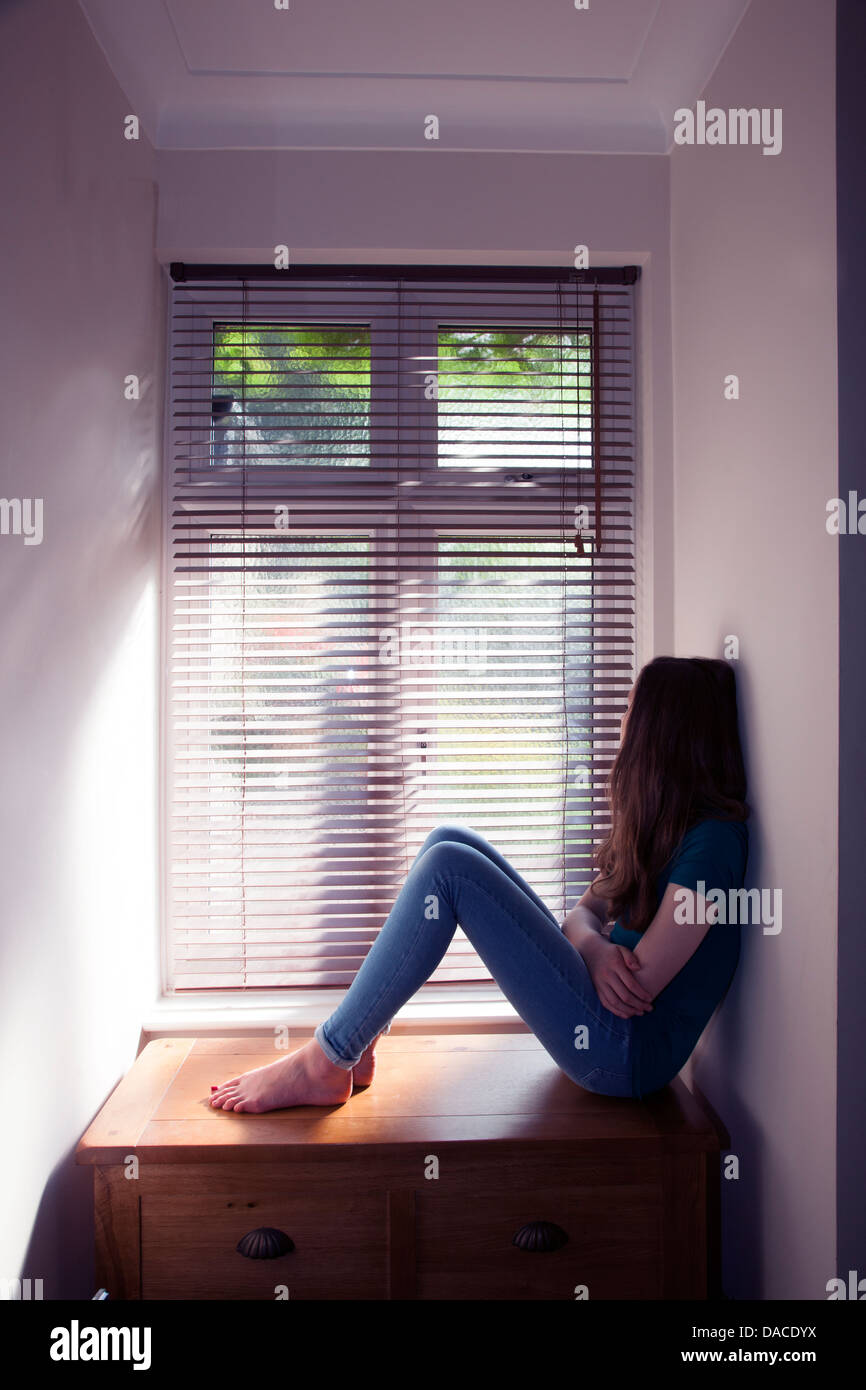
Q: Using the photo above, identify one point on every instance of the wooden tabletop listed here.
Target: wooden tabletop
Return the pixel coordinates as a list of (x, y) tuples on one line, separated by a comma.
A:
[(447, 1088)]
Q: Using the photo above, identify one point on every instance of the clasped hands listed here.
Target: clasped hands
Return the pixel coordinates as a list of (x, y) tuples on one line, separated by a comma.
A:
[(612, 969)]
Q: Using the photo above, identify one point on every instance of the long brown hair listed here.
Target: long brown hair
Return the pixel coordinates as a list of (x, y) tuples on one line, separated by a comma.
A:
[(680, 762)]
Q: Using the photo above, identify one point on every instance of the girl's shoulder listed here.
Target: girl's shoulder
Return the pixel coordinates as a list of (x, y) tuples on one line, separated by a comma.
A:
[(712, 831), (711, 849)]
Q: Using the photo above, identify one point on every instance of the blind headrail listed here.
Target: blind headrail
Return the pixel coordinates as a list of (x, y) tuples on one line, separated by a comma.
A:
[(182, 271)]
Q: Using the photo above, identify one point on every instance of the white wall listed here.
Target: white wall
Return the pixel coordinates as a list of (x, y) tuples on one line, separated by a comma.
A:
[(753, 282), (82, 303)]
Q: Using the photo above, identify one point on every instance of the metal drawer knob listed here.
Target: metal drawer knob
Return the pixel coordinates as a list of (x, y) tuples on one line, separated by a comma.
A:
[(265, 1243), (539, 1236)]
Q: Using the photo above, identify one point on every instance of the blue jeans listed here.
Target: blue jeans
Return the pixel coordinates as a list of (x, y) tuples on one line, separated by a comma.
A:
[(457, 878)]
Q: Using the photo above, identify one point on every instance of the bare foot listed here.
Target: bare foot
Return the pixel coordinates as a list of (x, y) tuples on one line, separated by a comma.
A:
[(305, 1077), (364, 1071)]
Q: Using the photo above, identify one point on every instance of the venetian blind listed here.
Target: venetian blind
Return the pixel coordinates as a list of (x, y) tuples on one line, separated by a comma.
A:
[(400, 530)]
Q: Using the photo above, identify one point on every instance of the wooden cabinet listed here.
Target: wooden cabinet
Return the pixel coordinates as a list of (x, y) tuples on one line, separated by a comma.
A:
[(415, 1188)]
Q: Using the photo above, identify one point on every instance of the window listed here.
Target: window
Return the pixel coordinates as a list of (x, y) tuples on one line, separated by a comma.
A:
[(401, 544)]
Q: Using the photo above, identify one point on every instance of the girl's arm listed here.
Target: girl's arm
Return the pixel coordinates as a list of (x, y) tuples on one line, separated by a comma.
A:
[(613, 969), (667, 944), (584, 923), (627, 981)]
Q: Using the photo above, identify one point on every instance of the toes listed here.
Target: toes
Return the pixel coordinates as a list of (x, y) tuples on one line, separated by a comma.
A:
[(225, 1089), (227, 1085), (224, 1097)]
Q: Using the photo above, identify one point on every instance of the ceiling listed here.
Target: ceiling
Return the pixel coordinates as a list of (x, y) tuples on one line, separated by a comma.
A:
[(505, 75)]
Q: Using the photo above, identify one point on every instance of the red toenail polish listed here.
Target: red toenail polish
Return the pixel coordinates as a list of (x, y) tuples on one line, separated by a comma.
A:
[(214, 1088)]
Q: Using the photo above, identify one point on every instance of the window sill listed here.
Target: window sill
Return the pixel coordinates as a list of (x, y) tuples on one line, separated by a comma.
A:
[(478, 1008)]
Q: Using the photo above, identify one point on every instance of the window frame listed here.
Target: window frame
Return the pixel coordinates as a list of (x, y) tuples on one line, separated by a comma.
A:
[(484, 999)]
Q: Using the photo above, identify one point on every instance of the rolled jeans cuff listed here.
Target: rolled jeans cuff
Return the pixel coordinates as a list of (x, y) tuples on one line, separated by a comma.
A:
[(331, 1053)]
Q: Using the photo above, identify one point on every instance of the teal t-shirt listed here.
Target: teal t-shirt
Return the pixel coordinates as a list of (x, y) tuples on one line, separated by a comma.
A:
[(713, 853)]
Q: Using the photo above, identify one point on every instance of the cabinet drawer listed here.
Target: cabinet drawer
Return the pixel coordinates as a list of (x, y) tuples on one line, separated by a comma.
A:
[(465, 1250), (188, 1246)]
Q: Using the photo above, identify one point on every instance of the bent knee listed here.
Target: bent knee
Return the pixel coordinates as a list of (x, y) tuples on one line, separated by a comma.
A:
[(444, 854), (451, 831)]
